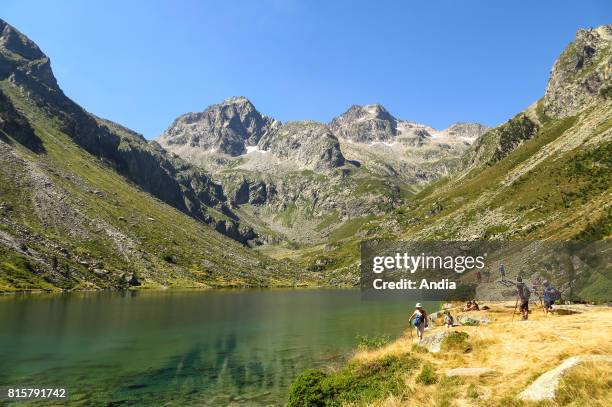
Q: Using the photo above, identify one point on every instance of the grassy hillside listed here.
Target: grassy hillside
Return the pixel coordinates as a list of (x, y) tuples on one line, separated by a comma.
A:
[(68, 220), (402, 373), (544, 174)]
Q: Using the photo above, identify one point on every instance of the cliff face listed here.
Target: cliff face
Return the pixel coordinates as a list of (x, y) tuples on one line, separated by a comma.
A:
[(228, 127), (170, 179), (365, 124), (580, 79), (582, 75)]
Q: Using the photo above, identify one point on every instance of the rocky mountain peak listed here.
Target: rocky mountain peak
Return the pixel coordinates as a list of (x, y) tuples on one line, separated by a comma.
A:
[(22, 59), (227, 127), (367, 123), (466, 131), (14, 41), (581, 74)]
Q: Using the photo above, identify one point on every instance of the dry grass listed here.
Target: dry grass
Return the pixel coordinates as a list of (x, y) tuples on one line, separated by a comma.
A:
[(519, 352)]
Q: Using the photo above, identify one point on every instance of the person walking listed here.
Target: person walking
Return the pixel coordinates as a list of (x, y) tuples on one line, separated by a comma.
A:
[(502, 271), (419, 320), (523, 295), (550, 294), (478, 277)]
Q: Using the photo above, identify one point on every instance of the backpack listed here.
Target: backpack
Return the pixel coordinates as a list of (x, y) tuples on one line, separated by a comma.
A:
[(555, 294), (418, 320), (526, 292)]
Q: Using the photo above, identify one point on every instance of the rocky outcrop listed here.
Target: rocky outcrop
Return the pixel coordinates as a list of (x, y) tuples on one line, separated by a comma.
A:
[(21, 56), (13, 125), (228, 127), (365, 124), (496, 144), (545, 386), (466, 131), (308, 144), (581, 74), (433, 343)]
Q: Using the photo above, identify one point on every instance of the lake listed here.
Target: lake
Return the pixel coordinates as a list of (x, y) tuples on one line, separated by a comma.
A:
[(241, 347)]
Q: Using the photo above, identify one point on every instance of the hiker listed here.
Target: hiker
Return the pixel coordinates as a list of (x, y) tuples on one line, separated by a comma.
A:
[(448, 319), (419, 320), (551, 294), (502, 271), (478, 277), (523, 294), (471, 305), (487, 275)]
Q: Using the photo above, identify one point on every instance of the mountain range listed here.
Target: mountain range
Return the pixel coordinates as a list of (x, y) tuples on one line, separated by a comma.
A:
[(232, 197)]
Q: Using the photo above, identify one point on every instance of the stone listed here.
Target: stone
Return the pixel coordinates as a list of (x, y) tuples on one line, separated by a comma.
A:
[(472, 320), (545, 386), (433, 342)]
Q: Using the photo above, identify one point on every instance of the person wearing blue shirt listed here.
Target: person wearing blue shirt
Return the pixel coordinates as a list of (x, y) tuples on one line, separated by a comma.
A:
[(550, 296)]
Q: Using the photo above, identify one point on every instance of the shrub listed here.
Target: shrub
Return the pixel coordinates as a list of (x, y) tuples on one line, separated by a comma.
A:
[(455, 341), (419, 349), (358, 383), (308, 389), (427, 375), (472, 391), (372, 342)]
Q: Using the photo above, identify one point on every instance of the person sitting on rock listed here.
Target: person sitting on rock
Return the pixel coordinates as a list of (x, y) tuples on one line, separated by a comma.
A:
[(419, 320), (448, 319)]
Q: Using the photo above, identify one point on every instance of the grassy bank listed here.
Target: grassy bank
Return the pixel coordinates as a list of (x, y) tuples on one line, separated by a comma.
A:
[(403, 374)]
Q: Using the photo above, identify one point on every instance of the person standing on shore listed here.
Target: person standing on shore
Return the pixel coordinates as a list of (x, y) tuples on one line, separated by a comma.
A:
[(419, 320), (502, 271), (523, 293)]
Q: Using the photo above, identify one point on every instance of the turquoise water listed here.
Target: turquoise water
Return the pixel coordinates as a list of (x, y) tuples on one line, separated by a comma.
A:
[(183, 347)]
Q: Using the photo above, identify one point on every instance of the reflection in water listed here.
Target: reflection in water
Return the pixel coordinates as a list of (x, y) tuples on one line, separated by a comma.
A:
[(183, 347)]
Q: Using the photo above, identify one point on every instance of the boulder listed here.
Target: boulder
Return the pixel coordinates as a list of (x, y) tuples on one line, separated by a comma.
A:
[(569, 309), (472, 320), (545, 386), (433, 342)]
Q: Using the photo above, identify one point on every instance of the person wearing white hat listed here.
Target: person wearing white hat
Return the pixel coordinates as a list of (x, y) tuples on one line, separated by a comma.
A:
[(419, 320)]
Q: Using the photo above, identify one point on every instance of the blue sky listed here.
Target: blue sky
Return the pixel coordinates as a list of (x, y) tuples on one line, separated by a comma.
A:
[(142, 63)]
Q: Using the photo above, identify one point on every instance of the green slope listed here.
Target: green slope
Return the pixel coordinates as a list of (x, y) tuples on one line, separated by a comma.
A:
[(68, 220), (544, 174)]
